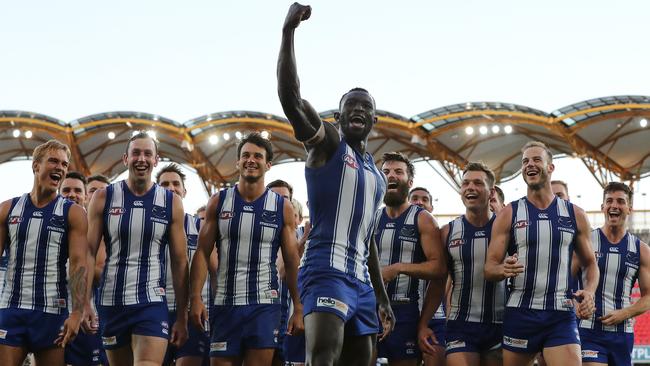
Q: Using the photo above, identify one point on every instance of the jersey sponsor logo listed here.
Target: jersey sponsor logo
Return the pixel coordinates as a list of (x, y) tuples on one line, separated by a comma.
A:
[(329, 302), (567, 303), (479, 233), (567, 229), (515, 342), (138, 203), (116, 211), (60, 303), (456, 243), (156, 219), (218, 346), (109, 341), (14, 220), (455, 344), (350, 161), (542, 215), (249, 208), (271, 294), (589, 354), (38, 214), (598, 254), (521, 224), (226, 215), (3, 333), (160, 291)]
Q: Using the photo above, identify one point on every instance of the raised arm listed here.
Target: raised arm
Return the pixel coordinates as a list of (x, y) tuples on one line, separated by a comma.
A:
[(587, 259), (496, 268), (180, 270), (199, 268)]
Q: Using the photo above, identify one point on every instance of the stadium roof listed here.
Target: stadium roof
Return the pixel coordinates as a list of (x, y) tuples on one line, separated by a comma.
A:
[(609, 134)]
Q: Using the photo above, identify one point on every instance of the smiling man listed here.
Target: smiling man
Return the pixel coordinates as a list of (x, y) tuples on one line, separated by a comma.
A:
[(340, 275)]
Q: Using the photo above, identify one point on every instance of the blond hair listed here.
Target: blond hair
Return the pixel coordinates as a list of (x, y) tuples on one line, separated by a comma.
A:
[(42, 149), (530, 144)]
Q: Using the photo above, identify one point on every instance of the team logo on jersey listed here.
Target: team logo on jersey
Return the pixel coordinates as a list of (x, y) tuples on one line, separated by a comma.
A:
[(116, 211), (350, 161), (589, 354), (515, 342), (632, 259), (38, 214), (159, 212), (57, 221), (226, 215), (456, 243), (521, 224), (138, 203), (408, 230), (565, 221), (14, 220), (269, 216), (192, 241), (333, 303)]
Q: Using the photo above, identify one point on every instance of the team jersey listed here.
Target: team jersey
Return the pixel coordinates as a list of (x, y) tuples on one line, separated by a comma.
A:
[(398, 241), (344, 196), (136, 233), (192, 225), (473, 299), (37, 249), (247, 245), (544, 241), (619, 265), (4, 259)]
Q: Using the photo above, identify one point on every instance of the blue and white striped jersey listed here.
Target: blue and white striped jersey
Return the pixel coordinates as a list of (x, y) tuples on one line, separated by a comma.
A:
[(248, 243), (192, 225), (619, 265), (473, 299), (398, 241), (344, 196), (37, 247), (544, 241), (4, 259), (136, 233)]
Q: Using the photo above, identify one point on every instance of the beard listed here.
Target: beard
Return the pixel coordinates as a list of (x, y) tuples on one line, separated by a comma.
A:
[(392, 199), (543, 178)]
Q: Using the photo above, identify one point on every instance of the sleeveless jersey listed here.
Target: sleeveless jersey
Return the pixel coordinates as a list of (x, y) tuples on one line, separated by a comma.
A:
[(3, 268), (473, 299), (544, 241), (398, 241), (192, 225), (619, 266), (344, 196), (247, 245), (37, 249), (136, 233)]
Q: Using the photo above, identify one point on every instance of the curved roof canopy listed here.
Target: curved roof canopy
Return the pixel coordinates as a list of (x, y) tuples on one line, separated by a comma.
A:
[(608, 134)]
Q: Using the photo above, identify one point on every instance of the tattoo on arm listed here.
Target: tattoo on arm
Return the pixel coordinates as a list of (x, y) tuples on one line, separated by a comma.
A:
[(78, 284)]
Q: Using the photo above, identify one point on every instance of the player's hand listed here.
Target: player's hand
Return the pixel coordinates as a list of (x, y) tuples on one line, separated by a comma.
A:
[(389, 273), (297, 13), (512, 267), (615, 317), (296, 326), (586, 304), (386, 317), (89, 323), (426, 340), (69, 330), (179, 331), (198, 313)]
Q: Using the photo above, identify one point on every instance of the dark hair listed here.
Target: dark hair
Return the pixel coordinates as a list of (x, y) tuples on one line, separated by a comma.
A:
[(357, 89), (99, 177), (171, 168), (420, 189), (499, 191), (77, 175), (479, 166), (256, 138), (612, 187), (281, 183), (141, 135), (397, 156), (562, 183)]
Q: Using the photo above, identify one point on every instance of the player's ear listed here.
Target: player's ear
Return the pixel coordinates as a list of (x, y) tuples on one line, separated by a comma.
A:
[(125, 160), (337, 115), (375, 120)]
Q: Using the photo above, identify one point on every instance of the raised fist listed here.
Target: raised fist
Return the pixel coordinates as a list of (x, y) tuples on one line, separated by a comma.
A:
[(296, 14)]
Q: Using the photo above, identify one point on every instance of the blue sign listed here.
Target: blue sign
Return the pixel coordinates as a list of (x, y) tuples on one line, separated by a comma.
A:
[(641, 353)]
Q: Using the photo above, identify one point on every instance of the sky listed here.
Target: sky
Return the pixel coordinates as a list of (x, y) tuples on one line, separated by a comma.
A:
[(181, 60)]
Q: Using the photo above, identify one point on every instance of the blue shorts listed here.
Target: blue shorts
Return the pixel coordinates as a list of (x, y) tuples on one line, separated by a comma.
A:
[(197, 344), (439, 328), (293, 349), (32, 329), (85, 350), (340, 294), (237, 328), (610, 348), (472, 337), (402, 342), (530, 331), (118, 323)]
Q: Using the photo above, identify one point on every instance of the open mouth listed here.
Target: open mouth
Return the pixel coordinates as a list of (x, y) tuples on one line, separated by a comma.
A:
[(141, 168), (56, 177), (532, 173), (357, 121), (614, 214), (392, 185), (471, 196)]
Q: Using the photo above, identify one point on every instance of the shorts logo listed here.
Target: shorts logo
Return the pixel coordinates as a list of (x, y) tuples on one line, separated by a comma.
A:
[(589, 354), (13, 220), (521, 224), (455, 344), (226, 215), (329, 302), (159, 291), (218, 346), (350, 161), (3, 334), (109, 341), (410, 347), (116, 211), (515, 342), (164, 324)]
